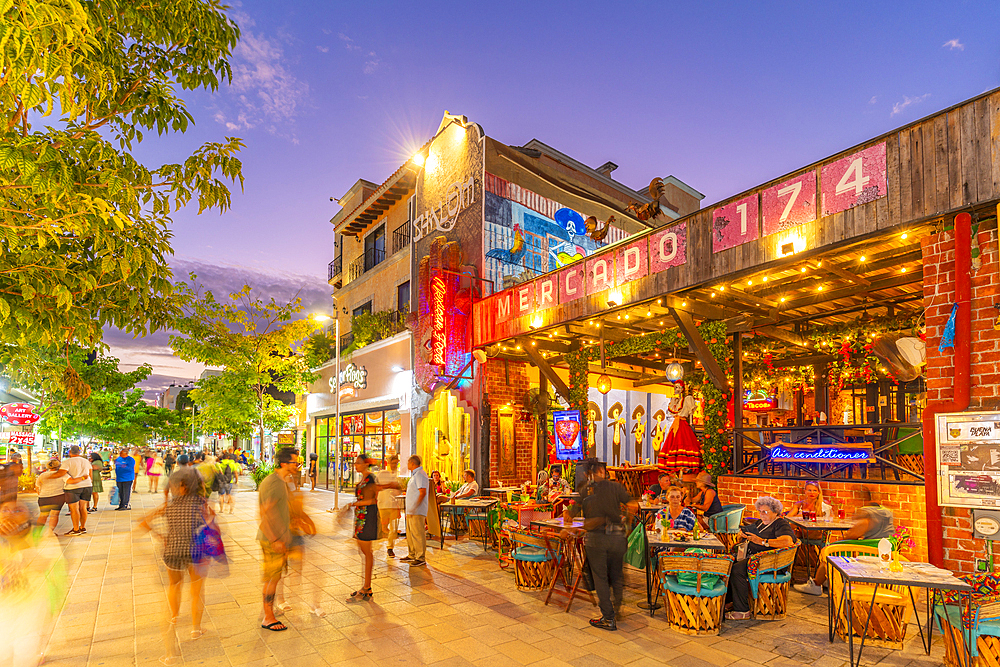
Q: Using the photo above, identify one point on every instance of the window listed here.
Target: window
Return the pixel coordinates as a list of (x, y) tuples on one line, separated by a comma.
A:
[(363, 308), (403, 297), (375, 248)]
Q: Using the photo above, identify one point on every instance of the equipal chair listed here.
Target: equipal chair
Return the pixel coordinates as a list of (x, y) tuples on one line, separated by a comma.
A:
[(984, 625), (694, 608), (534, 560), (887, 627), (726, 524), (770, 572)]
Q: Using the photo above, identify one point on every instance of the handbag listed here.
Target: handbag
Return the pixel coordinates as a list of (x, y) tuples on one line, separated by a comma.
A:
[(114, 499), (635, 555), (207, 544)]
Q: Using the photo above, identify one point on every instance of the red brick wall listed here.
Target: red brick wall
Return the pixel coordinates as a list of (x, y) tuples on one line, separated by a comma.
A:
[(960, 548), (906, 502), (502, 392)]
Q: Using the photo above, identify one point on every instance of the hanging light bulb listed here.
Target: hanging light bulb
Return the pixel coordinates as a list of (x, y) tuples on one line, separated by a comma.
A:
[(604, 384), (675, 372)]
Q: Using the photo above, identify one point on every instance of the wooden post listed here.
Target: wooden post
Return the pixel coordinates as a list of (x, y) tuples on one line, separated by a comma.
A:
[(738, 401)]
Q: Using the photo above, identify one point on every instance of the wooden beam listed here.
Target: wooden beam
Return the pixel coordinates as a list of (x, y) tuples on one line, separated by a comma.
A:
[(646, 383), (897, 280), (617, 372), (783, 335), (807, 360), (547, 372), (636, 361), (844, 273), (708, 362)]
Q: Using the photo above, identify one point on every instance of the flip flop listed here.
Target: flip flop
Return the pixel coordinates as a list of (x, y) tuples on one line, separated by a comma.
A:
[(273, 627)]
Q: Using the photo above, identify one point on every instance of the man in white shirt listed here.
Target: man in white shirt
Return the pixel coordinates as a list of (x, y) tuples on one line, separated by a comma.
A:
[(78, 487), (469, 489), (416, 513), (388, 509)]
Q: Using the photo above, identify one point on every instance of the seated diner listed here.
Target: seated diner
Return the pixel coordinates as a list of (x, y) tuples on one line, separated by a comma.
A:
[(812, 501), (469, 489), (665, 480), (707, 499), (773, 532), (677, 516)]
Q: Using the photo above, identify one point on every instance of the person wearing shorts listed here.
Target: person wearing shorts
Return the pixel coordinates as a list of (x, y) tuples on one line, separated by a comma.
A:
[(78, 487), (274, 534), (51, 496)]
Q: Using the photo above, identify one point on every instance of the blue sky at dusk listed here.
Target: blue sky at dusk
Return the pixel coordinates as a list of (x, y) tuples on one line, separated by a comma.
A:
[(723, 95)]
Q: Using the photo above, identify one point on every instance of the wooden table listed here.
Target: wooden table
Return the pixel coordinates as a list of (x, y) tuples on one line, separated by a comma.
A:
[(501, 491), (914, 574), (572, 560), (463, 506), (557, 523), (631, 478), (654, 538), (827, 527)]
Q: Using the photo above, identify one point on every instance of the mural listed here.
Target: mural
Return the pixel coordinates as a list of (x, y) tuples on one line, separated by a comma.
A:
[(526, 234), (627, 425)]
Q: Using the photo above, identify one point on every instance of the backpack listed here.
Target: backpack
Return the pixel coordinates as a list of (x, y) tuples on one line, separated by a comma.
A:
[(228, 474)]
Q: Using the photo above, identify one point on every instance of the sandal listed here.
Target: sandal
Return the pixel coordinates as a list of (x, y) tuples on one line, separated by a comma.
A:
[(738, 615), (170, 660), (277, 626), (284, 606), (195, 634), (363, 595)]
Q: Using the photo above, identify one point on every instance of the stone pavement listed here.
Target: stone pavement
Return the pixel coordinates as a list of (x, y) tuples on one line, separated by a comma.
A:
[(459, 610)]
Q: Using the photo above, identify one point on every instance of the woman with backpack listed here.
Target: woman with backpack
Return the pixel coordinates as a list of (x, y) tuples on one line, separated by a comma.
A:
[(228, 473)]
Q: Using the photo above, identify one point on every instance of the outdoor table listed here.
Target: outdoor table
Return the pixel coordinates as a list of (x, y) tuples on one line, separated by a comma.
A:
[(647, 508), (569, 570), (826, 526), (557, 523), (914, 574), (463, 506), (501, 491), (654, 538), (631, 477)]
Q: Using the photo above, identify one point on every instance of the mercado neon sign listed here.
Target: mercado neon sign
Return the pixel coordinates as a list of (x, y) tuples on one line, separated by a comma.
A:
[(788, 453), (439, 337)]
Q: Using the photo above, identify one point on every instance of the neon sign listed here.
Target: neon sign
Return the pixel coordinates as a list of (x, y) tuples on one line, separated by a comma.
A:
[(759, 401), (787, 453), (439, 337)]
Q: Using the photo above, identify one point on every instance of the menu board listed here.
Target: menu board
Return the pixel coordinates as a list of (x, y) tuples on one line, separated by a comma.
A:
[(968, 454)]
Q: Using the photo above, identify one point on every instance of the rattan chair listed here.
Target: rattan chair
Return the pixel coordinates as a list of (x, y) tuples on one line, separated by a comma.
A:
[(891, 614), (770, 573), (984, 624), (726, 524), (534, 560), (697, 609)]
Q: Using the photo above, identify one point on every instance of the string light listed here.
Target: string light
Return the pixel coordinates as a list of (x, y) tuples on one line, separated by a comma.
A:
[(722, 288), (765, 279), (782, 299), (803, 269), (819, 289), (684, 303), (903, 270), (903, 236), (749, 282), (534, 343), (863, 258)]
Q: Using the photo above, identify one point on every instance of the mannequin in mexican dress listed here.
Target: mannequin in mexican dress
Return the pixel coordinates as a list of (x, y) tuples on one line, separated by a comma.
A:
[(681, 448)]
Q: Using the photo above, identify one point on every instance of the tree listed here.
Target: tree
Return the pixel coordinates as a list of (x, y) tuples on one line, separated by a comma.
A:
[(84, 226), (254, 343), (319, 348)]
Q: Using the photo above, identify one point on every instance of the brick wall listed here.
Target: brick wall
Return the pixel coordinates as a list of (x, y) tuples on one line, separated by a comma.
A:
[(906, 502), (960, 548), (509, 386)]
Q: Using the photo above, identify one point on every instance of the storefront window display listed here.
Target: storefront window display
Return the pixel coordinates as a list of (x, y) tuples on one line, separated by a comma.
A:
[(445, 434), (376, 433)]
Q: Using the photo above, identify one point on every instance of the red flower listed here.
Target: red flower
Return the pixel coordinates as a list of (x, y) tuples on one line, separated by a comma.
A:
[(713, 340), (721, 430), (725, 449), (711, 401), (712, 450)]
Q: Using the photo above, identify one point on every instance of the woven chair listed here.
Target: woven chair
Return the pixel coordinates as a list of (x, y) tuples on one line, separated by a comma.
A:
[(891, 614), (534, 560), (726, 524), (770, 573), (984, 624), (694, 609), (478, 521)]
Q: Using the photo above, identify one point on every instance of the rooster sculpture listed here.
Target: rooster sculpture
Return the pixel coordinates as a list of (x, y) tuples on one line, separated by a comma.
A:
[(594, 229), (512, 255), (652, 209)]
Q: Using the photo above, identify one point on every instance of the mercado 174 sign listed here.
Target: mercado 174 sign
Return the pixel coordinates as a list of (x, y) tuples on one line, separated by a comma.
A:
[(847, 452), (21, 414)]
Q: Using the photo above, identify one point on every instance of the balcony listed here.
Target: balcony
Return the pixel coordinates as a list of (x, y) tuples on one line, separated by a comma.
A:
[(401, 238), (365, 263), (335, 268), (368, 328)]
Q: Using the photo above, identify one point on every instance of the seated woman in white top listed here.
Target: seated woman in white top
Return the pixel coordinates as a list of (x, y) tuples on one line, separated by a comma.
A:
[(469, 489)]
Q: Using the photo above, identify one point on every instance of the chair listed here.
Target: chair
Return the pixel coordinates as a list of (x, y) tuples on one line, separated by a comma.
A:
[(889, 618), (726, 524), (694, 609), (478, 521), (770, 572), (534, 561), (984, 624)]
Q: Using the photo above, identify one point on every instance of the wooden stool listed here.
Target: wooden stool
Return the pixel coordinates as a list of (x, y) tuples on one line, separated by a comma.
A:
[(887, 627), (694, 609), (771, 601), (534, 560), (914, 462), (477, 526), (692, 615), (954, 648), (531, 575)]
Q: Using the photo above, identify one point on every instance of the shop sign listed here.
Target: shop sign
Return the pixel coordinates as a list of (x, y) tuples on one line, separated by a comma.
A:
[(632, 262), (668, 248), (286, 438), (457, 197), (21, 439), (853, 180), (842, 453), (789, 204), (571, 285), (439, 331), (20, 414), (735, 223), (357, 376), (600, 273), (568, 431), (760, 401)]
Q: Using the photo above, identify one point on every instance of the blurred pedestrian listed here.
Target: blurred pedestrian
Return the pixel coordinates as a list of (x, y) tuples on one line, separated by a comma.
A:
[(300, 526), (10, 474), (313, 466), (388, 506), (228, 472), (185, 513), (366, 521), (416, 512), (137, 466), (169, 460), (154, 469), (96, 468), (78, 487), (51, 496), (274, 534), (124, 478)]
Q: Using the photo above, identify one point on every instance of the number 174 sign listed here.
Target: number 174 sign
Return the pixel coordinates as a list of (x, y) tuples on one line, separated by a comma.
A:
[(853, 180)]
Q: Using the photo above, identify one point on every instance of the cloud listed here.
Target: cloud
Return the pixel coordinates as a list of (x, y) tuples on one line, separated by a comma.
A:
[(264, 93), (371, 59), (907, 101), (954, 45), (323, 49), (873, 100)]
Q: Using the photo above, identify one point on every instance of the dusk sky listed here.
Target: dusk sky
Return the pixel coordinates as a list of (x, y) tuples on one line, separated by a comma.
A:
[(721, 95)]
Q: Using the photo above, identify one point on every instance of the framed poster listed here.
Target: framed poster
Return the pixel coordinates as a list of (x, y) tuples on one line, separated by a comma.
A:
[(569, 435), (507, 461), (968, 455)]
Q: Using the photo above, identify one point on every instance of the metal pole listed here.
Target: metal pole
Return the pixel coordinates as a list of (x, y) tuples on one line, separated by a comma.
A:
[(336, 486), (194, 411)]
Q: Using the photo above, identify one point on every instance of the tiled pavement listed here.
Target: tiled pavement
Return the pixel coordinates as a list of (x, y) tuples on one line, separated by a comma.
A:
[(459, 610)]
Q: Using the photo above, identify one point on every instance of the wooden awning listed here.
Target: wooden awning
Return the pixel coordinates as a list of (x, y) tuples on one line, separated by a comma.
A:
[(399, 185)]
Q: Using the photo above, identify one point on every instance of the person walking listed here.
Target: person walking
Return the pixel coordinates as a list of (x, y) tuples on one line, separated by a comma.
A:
[(137, 467), (417, 490), (154, 469), (366, 522), (388, 507), (51, 496), (606, 540), (124, 478), (274, 533), (228, 473), (185, 513), (169, 460), (97, 467), (78, 488), (313, 465)]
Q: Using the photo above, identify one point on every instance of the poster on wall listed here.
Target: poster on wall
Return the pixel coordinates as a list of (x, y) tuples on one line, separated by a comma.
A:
[(616, 427), (968, 454), (507, 460), (569, 436)]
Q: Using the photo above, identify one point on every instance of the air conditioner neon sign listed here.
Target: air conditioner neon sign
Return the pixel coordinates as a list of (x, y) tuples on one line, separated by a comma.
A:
[(791, 454), (439, 336)]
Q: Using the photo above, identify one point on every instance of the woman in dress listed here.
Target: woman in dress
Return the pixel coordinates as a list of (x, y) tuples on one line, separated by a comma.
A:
[(97, 463), (773, 532), (185, 513), (681, 449), (812, 501), (51, 498), (365, 523), (154, 468)]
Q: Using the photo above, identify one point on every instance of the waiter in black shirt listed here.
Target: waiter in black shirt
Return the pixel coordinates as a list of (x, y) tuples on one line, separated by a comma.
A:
[(606, 541)]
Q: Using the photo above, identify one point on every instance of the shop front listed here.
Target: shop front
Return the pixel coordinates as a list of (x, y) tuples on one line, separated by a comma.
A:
[(374, 389)]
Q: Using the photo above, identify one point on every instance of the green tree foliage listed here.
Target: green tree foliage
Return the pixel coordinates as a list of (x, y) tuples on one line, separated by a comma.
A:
[(84, 226), (319, 348), (253, 342), (368, 328)]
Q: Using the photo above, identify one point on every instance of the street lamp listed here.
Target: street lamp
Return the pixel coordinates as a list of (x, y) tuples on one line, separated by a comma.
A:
[(322, 317)]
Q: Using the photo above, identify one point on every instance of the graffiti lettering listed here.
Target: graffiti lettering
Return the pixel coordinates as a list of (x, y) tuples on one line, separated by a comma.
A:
[(439, 340), (457, 197)]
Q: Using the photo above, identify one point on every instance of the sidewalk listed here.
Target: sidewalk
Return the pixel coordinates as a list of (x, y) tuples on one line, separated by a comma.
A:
[(459, 610)]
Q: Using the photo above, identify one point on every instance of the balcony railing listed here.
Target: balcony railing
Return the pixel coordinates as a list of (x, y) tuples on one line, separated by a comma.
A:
[(346, 340), (369, 328), (364, 263), (373, 257), (356, 269), (334, 268), (400, 238)]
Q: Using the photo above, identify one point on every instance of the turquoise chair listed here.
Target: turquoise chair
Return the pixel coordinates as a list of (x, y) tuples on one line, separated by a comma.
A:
[(770, 573), (534, 561), (726, 524), (984, 624)]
